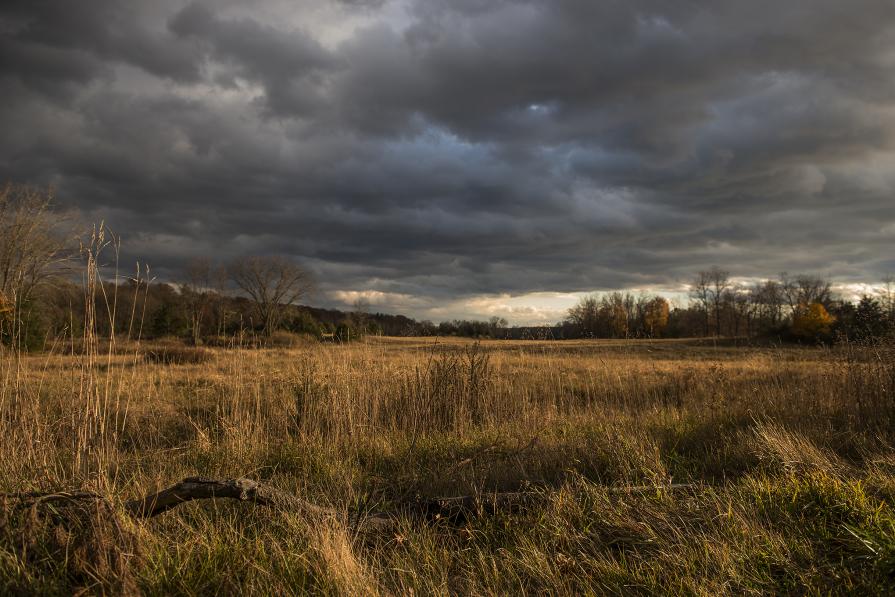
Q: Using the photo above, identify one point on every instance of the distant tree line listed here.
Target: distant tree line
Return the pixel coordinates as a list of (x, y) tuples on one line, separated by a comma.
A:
[(260, 295), (620, 315), (136, 308), (790, 307)]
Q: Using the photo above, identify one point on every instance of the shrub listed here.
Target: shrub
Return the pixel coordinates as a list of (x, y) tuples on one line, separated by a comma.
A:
[(304, 323), (345, 332)]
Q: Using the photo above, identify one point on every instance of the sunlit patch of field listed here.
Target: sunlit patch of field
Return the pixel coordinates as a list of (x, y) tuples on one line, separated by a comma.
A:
[(787, 452)]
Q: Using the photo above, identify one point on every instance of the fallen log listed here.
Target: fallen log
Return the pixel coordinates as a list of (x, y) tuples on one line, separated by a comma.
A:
[(455, 509), (200, 488)]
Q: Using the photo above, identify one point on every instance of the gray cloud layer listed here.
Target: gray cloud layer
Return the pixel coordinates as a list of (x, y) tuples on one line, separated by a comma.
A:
[(451, 148)]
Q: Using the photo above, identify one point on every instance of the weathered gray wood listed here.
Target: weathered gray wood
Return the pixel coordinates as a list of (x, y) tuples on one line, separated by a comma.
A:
[(455, 509), (199, 488)]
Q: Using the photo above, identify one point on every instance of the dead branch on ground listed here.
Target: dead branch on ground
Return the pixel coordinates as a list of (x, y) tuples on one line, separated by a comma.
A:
[(455, 509)]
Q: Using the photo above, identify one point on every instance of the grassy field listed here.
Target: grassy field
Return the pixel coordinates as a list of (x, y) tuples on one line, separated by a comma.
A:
[(786, 453)]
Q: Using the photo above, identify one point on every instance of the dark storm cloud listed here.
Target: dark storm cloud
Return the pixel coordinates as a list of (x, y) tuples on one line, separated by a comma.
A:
[(455, 148), (286, 62), (37, 31)]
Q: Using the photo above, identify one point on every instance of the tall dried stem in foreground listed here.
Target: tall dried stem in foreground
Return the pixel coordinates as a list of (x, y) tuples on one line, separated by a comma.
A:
[(102, 402)]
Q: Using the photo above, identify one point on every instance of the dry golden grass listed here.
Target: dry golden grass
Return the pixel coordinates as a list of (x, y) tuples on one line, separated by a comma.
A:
[(789, 451)]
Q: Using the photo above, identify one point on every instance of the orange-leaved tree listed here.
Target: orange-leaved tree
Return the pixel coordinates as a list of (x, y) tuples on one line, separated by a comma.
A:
[(655, 317), (811, 321)]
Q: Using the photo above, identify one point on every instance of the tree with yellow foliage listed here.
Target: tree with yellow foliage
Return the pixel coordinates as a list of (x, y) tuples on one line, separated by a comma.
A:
[(812, 321), (655, 316)]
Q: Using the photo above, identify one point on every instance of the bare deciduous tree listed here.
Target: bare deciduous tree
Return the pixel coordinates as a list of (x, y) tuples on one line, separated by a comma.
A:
[(196, 290), (708, 288), (699, 292), (496, 322), (804, 290), (741, 310), (30, 242), (586, 315), (767, 299), (360, 314), (271, 282)]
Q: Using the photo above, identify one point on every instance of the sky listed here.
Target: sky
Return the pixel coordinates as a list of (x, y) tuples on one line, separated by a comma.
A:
[(466, 158)]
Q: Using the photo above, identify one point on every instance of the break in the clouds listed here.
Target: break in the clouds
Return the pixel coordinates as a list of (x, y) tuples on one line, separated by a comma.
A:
[(450, 156)]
